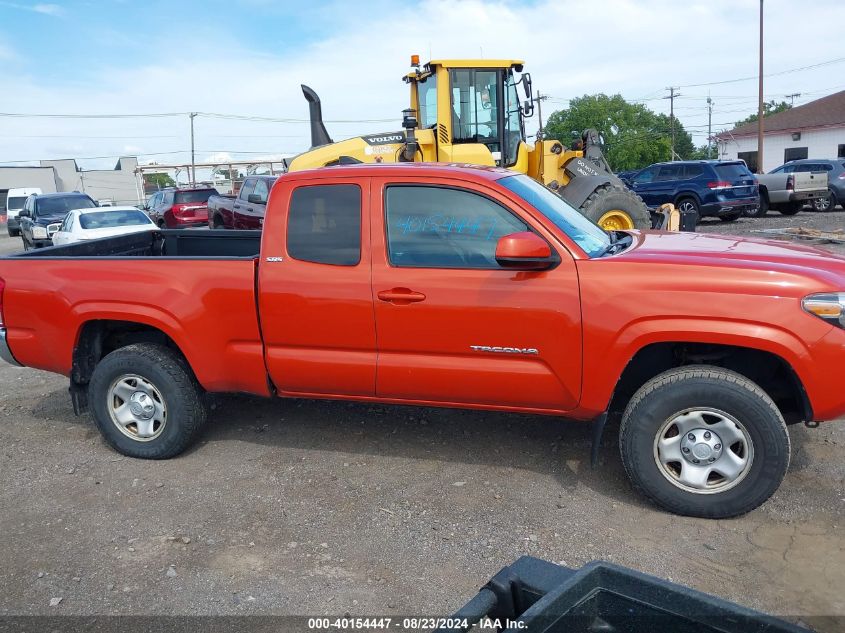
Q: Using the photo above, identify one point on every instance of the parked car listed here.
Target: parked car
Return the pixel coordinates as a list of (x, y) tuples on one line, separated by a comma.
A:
[(42, 215), (455, 286), (15, 199), (244, 211), (725, 189), (91, 224), (835, 170), (789, 187), (182, 207)]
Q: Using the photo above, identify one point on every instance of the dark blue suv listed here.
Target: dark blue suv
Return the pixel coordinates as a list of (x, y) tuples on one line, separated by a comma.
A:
[(726, 189)]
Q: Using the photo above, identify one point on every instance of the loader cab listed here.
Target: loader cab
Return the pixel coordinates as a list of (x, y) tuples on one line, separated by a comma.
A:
[(474, 109)]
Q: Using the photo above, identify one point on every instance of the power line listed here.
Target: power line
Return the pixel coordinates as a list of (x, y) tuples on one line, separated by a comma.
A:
[(777, 74)]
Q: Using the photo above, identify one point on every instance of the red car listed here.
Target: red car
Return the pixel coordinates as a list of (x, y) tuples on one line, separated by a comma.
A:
[(177, 208), (442, 285)]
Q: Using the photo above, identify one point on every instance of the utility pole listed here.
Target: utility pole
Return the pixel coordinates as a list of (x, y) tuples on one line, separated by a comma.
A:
[(671, 97), (760, 101), (193, 157), (538, 100), (792, 98), (709, 124)]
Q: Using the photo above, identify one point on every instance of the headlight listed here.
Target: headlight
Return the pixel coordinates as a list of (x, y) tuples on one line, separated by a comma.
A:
[(39, 232), (829, 306)]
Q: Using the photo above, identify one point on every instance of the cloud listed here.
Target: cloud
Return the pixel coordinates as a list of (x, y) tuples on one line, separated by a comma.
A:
[(45, 9), (583, 48), (49, 9)]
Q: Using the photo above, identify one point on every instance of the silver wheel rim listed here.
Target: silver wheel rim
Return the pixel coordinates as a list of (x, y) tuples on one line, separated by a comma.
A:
[(137, 408), (685, 207), (821, 203), (704, 451)]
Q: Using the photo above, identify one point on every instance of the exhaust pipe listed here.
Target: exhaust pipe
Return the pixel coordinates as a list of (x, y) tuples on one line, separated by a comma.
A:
[(319, 135)]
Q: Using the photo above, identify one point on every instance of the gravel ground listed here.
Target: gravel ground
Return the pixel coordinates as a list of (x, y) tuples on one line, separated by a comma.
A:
[(309, 508)]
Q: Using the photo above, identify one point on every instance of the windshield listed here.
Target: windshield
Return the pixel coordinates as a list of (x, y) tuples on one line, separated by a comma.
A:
[(109, 219), (582, 231), (14, 204), (195, 196), (61, 205)]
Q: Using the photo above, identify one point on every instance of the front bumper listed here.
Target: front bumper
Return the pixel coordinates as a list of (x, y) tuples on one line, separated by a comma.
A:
[(5, 352), (42, 243), (729, 207)]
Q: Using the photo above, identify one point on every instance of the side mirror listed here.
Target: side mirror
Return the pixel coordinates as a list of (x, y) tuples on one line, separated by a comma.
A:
[(524, 251), (254, 198), (24, 213)]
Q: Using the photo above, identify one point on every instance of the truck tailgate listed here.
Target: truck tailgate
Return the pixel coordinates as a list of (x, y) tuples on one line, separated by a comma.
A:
[(810, 181)]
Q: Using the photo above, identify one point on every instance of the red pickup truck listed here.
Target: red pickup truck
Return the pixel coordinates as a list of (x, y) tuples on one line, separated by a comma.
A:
[(450, 286)]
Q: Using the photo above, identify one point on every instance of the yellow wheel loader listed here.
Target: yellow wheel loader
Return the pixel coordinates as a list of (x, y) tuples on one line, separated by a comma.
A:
[(469, 111)]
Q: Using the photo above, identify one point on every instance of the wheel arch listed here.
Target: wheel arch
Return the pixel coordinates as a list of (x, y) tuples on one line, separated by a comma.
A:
[(687, 193), (97, 337), (768, 369)]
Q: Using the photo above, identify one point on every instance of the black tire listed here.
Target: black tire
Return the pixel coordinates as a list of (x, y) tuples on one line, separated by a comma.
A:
[(609, 198), (672, 393), (762, 209), (790, 208), (14, 232), (168, 372), (731, 217), (825, 204), (216, 222), (687, 205)]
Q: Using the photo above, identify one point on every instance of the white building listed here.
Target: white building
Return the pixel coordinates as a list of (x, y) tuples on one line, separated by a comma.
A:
[(120, 185), (812, 130)]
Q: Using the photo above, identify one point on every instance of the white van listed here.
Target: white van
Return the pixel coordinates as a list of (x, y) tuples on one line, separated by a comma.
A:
[(14, 203)]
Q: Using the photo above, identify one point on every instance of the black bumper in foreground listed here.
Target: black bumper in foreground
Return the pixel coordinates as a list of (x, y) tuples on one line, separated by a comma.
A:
[(536, 596)]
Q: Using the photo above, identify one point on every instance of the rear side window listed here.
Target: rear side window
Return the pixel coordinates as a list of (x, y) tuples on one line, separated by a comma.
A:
[(324, 224), (732, 171), (196, 196), (438, 227), (693, 171)]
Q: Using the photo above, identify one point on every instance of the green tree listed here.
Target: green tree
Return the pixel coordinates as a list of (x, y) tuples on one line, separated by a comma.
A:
[(634, 136), (769, 108), (159, 181)]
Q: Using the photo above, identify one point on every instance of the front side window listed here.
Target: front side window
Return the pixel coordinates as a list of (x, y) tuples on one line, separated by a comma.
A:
[(324, 224), (475, 108), (427, 98), (247, 188), (645, 176), (439, 227), (261, 190)]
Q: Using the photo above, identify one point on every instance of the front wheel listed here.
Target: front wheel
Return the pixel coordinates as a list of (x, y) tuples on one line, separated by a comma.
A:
[(704, 441), (146, 402)]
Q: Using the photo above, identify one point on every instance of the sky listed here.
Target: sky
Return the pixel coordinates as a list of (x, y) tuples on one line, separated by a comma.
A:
[(245, 59)]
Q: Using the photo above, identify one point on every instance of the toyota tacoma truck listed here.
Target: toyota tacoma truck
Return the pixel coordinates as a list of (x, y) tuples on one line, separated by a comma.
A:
[(453, 286), (243, 211)]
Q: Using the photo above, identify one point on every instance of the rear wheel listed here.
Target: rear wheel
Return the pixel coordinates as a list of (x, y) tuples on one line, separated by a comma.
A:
[(216, 222), (790, 208), (704, 441), (825, 204), (762, 209), (616, 209), (689, 205), (146, 402)]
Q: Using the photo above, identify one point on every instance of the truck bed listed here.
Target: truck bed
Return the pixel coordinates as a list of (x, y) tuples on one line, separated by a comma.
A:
[(192, 243), (196, 286)]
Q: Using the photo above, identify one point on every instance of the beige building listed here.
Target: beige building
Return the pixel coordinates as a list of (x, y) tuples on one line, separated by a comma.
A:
[(120, 185)]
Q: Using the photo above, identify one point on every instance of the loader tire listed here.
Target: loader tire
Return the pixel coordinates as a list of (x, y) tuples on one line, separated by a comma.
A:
[(616, 208)]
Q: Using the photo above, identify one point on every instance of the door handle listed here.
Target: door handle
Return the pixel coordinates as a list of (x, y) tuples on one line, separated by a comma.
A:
[(400, 296)]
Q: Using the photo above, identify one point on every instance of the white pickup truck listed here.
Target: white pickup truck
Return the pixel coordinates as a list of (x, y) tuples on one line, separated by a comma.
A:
[(788, 188)]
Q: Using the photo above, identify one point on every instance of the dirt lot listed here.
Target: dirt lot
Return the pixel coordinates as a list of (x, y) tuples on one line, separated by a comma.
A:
[(301, 507)]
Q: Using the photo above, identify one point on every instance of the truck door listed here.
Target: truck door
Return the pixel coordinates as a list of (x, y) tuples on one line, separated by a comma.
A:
[(452, 325), (239, 204), (315, 296)]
